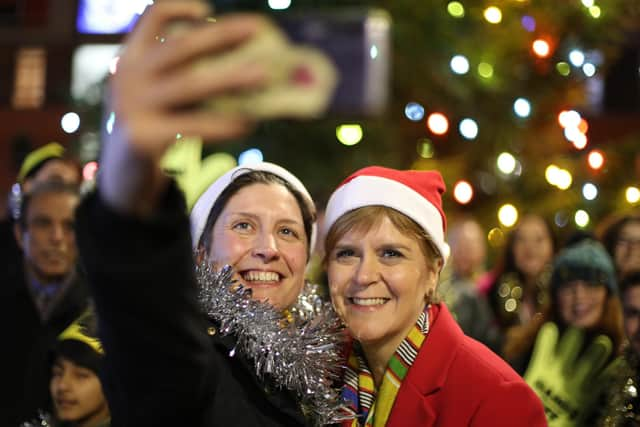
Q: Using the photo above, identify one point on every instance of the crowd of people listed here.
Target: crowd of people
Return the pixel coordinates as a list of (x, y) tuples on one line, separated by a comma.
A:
[(121, 308)]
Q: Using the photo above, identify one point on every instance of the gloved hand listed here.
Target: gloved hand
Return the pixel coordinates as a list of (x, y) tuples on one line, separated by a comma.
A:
[(566, 384)]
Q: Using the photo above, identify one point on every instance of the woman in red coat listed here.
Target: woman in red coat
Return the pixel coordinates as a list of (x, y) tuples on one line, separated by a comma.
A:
[(409, 363)]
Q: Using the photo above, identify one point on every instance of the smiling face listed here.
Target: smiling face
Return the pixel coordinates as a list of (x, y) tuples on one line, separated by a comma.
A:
[(77, 394), (260, 233), (379, 280), (581, 304)]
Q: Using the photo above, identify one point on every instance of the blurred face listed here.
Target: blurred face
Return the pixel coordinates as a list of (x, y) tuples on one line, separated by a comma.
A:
[(48, 240), (532, 246), (379, 280), (627, 249), (468, 249), (260, 233), (631, 306), (581, 304), (77, 394)]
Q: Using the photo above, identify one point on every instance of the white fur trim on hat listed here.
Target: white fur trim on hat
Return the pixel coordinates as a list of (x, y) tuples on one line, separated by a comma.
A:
[(200, 211), (367, 190)]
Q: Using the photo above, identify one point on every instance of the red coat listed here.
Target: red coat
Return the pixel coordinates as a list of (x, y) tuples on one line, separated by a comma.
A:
[(456, 381)]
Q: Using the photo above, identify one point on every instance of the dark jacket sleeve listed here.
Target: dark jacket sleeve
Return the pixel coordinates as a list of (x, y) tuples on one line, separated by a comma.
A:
[(157, 352)]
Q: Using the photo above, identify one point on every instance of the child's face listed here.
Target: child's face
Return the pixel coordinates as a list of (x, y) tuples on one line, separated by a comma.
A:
[(77, 393)]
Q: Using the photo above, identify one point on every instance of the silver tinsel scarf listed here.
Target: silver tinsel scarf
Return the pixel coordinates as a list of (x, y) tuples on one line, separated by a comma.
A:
[(300, 350)]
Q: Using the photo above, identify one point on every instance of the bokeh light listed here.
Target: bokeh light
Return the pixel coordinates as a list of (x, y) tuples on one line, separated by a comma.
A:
[(632, 194), (468, 128), (459, 64), (589, 191), (425, 149), (570, 118), (506, 163), (438, 123), (563, 68), (522, 107), (111, 120), (70, 122), (414, 111), (589, 69), (508, 215), (564, 179), (493, 15), (541, 48), (595, 159), (455, 9), (485, 70), (349, 134), (595, 11), (496, 237), (551, 174), (576, 57), (279, 4), (581, 218), (463, 192), (561, 219), (528, 23)]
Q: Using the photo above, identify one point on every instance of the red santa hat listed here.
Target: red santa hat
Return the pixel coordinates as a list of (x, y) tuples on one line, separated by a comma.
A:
[(416, 194), (200, 211)]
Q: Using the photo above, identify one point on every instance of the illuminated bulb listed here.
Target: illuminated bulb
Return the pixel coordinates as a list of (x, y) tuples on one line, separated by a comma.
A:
[(438, 123), (595, 159), (463, 192), (551, 174), (576, 57), (528, 23), (349, 134), (414, 111), (632, 194), (89, 171), (455, 9), (580, 142), (595, 11), (485, 70), (541, 48), (564, 179), (459, 64), (70, 122), (581, 218), (588, 3), (569, 118), (589, 191), (279, 4), (583, 126), (522, 107), (563, 68), (506, 163), (468, 128), (493, 15), (589, 69), (508, 215), (252, 155)]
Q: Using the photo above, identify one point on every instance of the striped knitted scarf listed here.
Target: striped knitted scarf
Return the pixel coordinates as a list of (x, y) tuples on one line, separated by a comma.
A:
[(359, 390)]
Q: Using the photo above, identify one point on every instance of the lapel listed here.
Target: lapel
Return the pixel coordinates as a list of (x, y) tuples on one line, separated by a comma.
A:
[(418, 397)]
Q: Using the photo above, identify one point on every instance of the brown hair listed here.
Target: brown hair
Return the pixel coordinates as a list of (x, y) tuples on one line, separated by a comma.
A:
[(365, 218), (244, 180)]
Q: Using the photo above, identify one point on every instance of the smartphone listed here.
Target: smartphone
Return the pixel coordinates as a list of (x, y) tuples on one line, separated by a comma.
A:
[(358, 43)]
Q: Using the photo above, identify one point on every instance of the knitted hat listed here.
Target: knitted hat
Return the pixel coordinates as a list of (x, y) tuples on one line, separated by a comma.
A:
[(202, 208), (80, 344), (37, 158), (416, 194), (586, 260)]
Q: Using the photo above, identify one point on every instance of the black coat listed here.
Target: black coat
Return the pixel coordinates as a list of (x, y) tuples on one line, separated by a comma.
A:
[(165, 363), (27, 341)]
